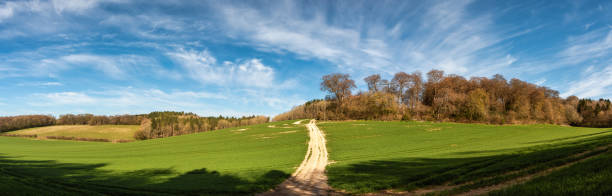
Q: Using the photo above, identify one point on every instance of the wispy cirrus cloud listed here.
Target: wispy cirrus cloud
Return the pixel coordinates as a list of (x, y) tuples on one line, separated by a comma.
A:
[(446, 37), (52, 18), (593, 48), (133, 100), (592, 45), (207, 55), (595, 82), (79, 6), (40, 84), (66, 98), (307, 38), (46, 8), (25, 64)]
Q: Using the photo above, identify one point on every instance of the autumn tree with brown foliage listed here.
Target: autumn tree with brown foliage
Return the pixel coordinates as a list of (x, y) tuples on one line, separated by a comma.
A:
[(167, 124), (90, 119), (451, 98), (339, 85), (11, 123), (372, 81)]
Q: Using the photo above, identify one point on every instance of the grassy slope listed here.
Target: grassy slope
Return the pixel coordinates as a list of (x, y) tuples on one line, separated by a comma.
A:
[(374, 156), (592, 177), (223, 161), (111, 132)]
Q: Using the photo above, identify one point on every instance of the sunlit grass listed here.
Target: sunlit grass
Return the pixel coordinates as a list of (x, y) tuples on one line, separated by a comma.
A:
[(236, 160), (370, 155), (110, 132)]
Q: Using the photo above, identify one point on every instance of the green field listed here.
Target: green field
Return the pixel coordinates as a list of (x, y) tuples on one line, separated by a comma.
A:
[(592, 177), (370, 156), (365, 156), (111, 132), (242, 160)]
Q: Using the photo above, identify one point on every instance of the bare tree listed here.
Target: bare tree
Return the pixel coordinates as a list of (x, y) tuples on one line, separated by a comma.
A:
[(372, 82), (415, 89), (431, 87), (400, 82), (385, 86), (339, 85)]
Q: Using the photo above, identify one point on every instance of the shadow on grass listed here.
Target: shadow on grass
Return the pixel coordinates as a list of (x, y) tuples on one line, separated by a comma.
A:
[(569, 138), (25, 177), (412, 173)]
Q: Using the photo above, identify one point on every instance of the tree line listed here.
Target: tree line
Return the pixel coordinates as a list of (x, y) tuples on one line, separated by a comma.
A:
[(12, 123), (90, 119), (166, 124), (451, 97), (592, 113), (152, 125)]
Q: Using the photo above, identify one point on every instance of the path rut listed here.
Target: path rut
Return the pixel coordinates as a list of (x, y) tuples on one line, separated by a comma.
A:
[(309, 178)]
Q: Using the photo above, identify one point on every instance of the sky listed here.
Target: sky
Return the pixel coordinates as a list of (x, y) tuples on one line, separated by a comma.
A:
[(236, 58)]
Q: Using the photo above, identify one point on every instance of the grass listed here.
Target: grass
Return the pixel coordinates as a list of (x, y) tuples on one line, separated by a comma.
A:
[(110, 132), (369, 156), (591, 177), (242, 160)]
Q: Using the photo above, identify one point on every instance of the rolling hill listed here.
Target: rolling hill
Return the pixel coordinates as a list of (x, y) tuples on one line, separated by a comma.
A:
[(242, 160), (450, 158), (395, 157)]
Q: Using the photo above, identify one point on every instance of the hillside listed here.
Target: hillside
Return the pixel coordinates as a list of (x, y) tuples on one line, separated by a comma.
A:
[(364, 157), (239, 160), (372, 156), (110, 132)]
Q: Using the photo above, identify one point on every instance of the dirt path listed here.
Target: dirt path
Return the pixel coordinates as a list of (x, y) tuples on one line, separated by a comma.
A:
[(297, 122), (309, 178)]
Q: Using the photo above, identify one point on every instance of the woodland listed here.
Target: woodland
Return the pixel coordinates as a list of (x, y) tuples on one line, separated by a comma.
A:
[(452, 98), (152, 125)]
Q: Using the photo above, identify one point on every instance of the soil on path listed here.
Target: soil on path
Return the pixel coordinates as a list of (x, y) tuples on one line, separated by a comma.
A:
[(309, 178), (297, 122)]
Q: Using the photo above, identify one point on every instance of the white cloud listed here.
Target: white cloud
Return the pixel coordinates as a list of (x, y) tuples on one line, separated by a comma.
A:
[(52, 18), (150, 25), (203, 67), (109, 65), (43, 62), (41, 84), (132, 100), (590, 46), (588, 25), (67, 98), (44, 8), (597, 82), (594, 48), (51, 84), (123, 97), (311, 38), (446, 14), (446, 37), (78, 6), (6, 10), (253, 73), (540, 81)]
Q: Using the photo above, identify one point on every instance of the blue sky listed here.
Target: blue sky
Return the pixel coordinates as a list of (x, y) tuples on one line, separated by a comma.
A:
[(263, 57)]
